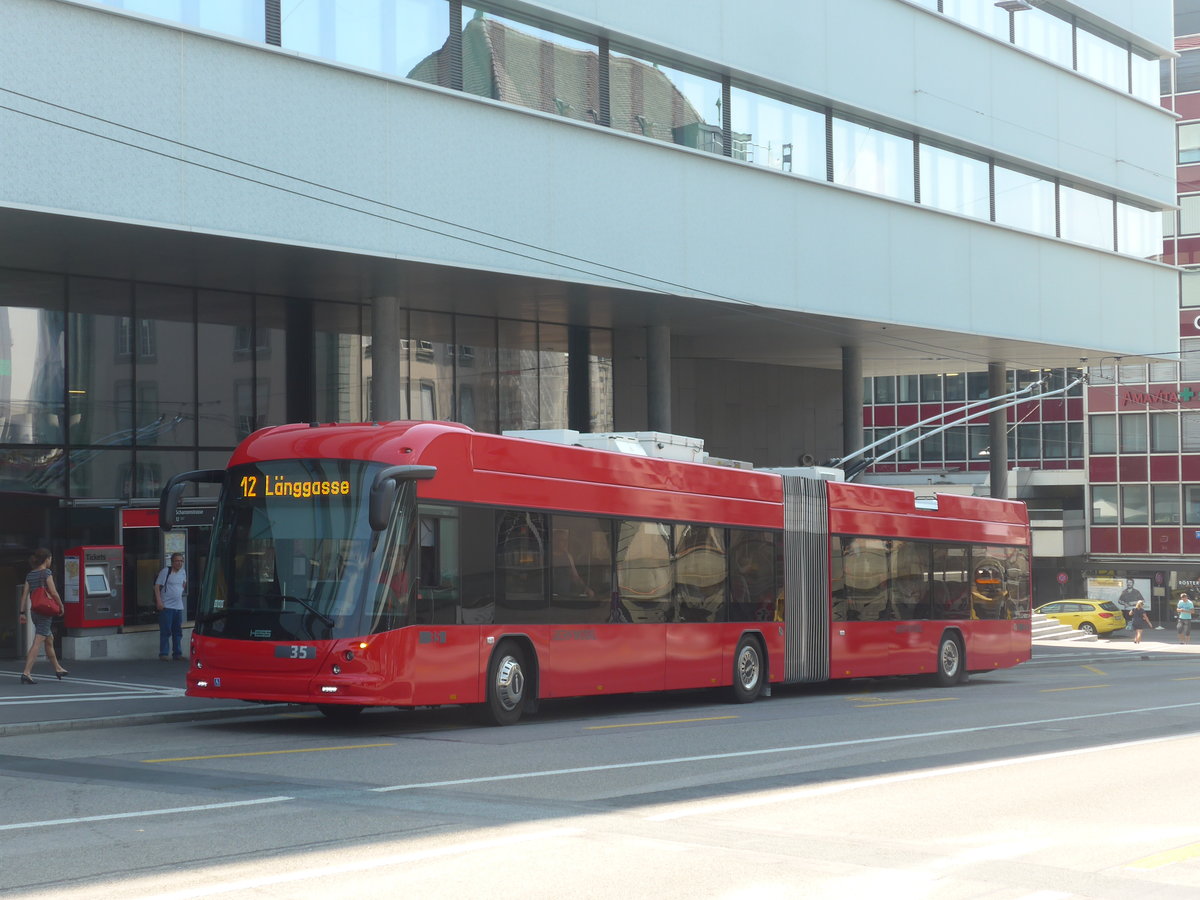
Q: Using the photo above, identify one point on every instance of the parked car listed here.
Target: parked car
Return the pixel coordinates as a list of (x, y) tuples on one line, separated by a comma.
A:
[(1090, 616)]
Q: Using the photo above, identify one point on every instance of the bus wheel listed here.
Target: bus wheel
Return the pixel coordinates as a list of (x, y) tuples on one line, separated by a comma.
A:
[(747, 671), (340, 712), (951, 662), (506, 685)]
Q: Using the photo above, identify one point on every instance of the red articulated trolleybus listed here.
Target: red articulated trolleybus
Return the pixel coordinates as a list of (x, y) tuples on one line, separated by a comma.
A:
[(422, 563)]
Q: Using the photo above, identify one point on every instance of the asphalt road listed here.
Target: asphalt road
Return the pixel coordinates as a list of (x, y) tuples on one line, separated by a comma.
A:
[(1059, 779)]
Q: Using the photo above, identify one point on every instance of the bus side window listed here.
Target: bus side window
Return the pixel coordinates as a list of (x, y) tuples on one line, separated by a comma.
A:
[(522, 550), (752, 576), (437, 560)]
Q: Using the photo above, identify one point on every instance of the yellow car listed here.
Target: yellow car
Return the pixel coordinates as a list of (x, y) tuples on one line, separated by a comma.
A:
[(1089, 616)]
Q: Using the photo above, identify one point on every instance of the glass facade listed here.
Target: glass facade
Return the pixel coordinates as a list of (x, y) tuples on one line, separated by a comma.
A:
[(494, 52), (110, 387)]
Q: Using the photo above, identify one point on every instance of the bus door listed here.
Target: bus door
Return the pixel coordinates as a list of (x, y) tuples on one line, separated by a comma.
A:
[(694, 641)]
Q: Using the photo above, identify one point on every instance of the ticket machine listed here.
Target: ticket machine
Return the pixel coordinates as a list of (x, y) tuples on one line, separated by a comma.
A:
[(93, 586)]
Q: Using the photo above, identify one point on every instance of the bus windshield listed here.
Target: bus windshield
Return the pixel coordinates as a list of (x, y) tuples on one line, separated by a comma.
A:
[(294, 556)]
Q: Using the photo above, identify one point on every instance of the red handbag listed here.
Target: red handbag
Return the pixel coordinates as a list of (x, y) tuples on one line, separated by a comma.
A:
[(43, 604)]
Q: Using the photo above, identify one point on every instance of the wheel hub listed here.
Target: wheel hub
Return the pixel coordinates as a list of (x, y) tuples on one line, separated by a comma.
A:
[(510, 683), (748, 668)]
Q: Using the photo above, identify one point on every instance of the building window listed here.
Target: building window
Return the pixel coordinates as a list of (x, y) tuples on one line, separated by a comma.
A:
[(1165, 499), (1164, 432), (1102, 56), (1048, 35), (1189, 432), (1024, 200), (1029, 441), (1104, 504), (1054, 440), (955, 183), (955, 440), (1189, 143), (885, 389), (1191, 504), (907, 390), (777, 134), (871, 159), (1189, 214), (955, 387), (1075, 440), (931, 388), (1103, 431), (1134, 504), (1133, 433), (1086, 217)]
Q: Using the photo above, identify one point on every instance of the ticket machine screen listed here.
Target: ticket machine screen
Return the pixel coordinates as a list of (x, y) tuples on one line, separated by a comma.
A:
[(96, 581)]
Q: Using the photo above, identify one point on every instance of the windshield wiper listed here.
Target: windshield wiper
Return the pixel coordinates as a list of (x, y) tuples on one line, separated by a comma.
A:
[(329, 623)]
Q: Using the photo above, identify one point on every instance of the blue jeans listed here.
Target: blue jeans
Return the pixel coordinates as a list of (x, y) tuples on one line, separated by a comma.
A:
[(170, 628)]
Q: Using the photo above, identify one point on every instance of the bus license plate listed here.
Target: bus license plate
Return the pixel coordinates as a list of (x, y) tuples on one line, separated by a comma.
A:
[(296, 651)]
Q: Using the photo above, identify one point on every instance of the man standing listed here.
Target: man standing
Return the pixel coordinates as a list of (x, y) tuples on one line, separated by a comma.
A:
[(1184, 608), (170, 587)]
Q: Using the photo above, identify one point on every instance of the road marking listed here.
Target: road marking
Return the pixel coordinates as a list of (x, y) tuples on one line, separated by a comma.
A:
[(1166, 858), (1189, 678), (268, 752), (145, 812), (246, 885), (902, 702), (799, 748), (1082, 687), (662, 722), (86, 698), (841, 787), (1094, 669)]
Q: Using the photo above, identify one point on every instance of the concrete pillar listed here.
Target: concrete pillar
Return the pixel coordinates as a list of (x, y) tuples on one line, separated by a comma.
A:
[(998, 431), (658, 378), (852, 400), (579, 378), (386, 326)]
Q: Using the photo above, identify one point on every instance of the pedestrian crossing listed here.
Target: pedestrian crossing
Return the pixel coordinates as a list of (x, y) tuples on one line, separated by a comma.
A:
[(82, 690)]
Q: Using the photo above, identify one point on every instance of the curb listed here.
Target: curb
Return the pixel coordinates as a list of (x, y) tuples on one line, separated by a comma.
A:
[(181, 715), (1087, 655)]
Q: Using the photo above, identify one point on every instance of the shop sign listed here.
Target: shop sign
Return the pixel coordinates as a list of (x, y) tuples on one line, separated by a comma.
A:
[(1183, 396)]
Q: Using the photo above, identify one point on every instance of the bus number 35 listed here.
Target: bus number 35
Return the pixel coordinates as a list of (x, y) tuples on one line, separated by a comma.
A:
[(296, 651)]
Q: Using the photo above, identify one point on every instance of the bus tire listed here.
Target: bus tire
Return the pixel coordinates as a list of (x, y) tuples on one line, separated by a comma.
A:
[(340, 712), (951, 661), (748, 670), (507, 683)]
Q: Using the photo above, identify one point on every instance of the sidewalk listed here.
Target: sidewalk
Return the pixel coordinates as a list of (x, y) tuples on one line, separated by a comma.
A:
[(103, 693), (1118, 645)]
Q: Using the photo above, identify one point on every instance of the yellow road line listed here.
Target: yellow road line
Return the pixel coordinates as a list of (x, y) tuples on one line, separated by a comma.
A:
[(1166, 858), (1189, 678), (1082, 687), (663, 722), (903, 702), (268, 752), (1094, 669)]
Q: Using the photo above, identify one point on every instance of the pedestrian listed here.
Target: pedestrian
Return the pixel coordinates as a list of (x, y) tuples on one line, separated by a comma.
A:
[(170, 587), (39, 577), (1184, 608), (1139, 620)]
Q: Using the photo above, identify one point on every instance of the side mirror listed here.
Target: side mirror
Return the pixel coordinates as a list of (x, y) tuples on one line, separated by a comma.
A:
[(384, 490), (168, 500)]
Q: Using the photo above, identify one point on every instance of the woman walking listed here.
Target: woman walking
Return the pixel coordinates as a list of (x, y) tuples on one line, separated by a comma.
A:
[(41, 576), (1139, 620)]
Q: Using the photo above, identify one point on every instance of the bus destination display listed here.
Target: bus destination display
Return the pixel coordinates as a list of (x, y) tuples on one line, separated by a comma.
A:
[(252, 487)]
